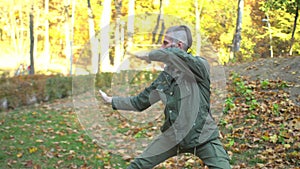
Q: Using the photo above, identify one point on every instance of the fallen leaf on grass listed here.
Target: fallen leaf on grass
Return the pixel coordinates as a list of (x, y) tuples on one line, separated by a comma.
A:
[(28, 164), (32, 150), (37, 166), (19, 155), (126, 157), (39, 141)]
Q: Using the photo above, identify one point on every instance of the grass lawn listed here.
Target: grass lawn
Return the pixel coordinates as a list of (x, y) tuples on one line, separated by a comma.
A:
[(39, 138)]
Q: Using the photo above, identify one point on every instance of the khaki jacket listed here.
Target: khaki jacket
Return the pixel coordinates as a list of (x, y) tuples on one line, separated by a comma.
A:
[(184, 88)]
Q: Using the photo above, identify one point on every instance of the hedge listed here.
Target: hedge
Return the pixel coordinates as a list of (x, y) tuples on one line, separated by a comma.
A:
[(29, 89)]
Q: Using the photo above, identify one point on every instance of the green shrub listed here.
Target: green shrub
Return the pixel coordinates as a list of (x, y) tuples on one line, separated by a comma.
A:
[(103, 80), (58, 87), (24, 90)]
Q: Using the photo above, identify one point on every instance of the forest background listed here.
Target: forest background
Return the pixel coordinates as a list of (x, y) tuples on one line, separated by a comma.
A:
[(63, 30)]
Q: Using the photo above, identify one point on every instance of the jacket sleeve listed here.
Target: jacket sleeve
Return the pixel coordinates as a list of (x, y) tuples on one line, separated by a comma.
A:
[(179, 59), (139, 102)]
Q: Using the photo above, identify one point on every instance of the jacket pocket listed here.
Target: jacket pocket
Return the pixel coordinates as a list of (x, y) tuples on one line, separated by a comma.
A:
[(162, 90), (201, 118), (184, 89)]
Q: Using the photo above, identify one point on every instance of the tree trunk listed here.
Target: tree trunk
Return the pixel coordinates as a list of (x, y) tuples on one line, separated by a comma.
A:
[(31, 41), (122, 47), (69, 22), (105, 37), (20, 33), (294, 29), (198, 36), (72, 35), (93, 40), (270, 35), (237, 36), (162, 31), (130, 24), (36, 23), (47, 41), (67, 31), (1, 34), (12, 28), (159, 17), (117, 57)]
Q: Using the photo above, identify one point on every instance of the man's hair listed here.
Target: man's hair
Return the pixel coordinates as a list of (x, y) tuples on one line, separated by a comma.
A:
[(180, 33)]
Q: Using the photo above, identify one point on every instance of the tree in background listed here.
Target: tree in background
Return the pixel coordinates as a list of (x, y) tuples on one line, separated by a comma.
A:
[(118, 53), (130, 23), (217, 25), (236, 42), (31, 70), (105, 64), (159, 23), (93, 39), (296, 12), (198, 11), (69, 29), (47, 41), (282, 12), (15, 42)]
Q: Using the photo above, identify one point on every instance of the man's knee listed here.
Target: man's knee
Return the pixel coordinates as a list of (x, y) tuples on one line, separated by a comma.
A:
[(214, 155)]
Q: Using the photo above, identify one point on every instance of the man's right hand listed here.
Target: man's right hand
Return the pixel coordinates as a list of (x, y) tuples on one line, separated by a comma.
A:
[(104, 96), (141, 55)]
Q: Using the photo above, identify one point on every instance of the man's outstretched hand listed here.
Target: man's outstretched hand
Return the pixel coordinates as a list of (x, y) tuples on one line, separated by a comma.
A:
[(104, 96), (141, 55)]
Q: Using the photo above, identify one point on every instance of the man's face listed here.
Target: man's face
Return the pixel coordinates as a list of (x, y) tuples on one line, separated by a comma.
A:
[(167, 43)]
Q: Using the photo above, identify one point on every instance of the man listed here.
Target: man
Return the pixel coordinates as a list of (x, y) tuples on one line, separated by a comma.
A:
[(184, 88)]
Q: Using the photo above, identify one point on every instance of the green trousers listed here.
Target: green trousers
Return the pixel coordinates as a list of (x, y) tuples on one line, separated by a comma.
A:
[(211, 153)]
